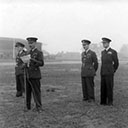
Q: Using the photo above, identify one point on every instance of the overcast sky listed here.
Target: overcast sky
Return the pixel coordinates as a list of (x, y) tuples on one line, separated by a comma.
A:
[(62, 24)]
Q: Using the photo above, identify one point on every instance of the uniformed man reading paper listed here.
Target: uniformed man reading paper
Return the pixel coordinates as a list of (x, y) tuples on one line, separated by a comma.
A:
[(88, 71), (33, 85)]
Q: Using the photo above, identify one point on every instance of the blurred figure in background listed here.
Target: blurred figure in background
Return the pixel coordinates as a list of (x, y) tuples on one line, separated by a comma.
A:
[(88, 71), (19, 69), (109, 65)]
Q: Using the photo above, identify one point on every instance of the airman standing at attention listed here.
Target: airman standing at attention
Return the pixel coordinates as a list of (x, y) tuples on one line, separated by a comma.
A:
[(88, 71), (109, 65)]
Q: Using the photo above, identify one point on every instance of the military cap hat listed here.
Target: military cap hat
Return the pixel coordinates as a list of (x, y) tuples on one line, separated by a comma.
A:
[(32, 39), (104, 39), (19, 44), (85, 41)]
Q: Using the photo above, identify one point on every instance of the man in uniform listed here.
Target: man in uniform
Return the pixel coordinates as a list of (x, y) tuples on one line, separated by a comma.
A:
[(34, 75), (19, 69), (109, 65), (88, 71)]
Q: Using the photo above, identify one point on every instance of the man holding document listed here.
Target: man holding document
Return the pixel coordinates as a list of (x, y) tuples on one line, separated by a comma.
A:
[(34, 60)]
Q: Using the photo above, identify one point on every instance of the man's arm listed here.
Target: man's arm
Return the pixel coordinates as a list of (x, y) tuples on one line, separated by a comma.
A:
[(95, 61), (115, 60), (39, 60)]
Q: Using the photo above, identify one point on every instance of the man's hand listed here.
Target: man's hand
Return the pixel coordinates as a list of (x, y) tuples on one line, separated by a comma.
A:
[(26, 58)]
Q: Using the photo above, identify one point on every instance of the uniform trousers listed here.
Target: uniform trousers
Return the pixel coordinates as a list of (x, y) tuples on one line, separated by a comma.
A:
[(33, 86), (107, 89), (88, 88), (20, 83)]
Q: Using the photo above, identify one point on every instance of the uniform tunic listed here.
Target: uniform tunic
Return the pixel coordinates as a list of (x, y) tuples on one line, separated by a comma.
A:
[(33, 78), (109, 65), (88, 71), (19, 72)]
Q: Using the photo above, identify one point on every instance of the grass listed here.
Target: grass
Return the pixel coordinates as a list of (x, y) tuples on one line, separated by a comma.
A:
[(63, 107)]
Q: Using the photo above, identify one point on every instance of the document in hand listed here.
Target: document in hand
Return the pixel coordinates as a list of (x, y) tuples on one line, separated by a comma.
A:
[(26, 58)]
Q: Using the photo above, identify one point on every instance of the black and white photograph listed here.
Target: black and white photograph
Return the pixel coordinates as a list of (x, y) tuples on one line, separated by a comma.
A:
[(63, 64)]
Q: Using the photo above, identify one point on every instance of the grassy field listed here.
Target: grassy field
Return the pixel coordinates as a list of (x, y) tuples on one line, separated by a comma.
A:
[(62, 100)]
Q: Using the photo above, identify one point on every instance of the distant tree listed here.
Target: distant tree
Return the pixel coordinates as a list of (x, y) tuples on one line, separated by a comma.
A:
[(124, 50), (123, 53), (97, 48)]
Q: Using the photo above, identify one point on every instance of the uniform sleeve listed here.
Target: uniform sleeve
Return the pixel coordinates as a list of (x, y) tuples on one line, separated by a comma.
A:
[(95, 61), (115, 60), (82, 57), (40, 59)]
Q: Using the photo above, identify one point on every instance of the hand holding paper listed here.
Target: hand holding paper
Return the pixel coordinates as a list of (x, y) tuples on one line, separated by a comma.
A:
[(26, 58)]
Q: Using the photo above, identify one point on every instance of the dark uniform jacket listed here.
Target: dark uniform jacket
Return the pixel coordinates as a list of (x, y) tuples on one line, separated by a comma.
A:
[(19, 68), (33, 69), (89, 64), (109, 61)]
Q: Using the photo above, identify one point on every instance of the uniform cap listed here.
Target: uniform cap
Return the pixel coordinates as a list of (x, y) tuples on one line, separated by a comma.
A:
[(32, 39), (85, 41), (19, 44), (104, 39)]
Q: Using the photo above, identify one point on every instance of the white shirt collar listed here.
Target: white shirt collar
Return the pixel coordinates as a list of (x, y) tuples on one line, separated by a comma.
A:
[(20, 51), (107, 48), (33, 49), (87, 50)]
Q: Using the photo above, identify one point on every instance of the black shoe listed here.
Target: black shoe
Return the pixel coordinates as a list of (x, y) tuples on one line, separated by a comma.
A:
[(91, 100), (84, 99), (18, 94), (103, 104), (27, 109), (110, 104), (39, 110), (28, 106)]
